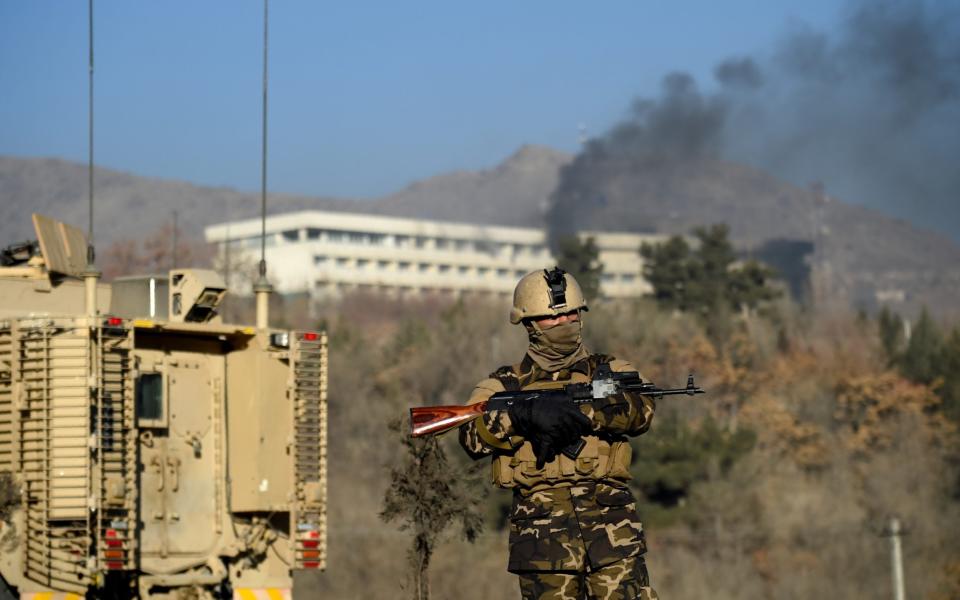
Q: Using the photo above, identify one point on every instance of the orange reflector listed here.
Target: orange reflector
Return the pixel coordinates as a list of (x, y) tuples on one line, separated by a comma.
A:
[(113, 554), (311, 554)]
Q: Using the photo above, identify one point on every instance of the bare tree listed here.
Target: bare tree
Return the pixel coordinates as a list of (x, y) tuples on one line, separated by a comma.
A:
[(426, 495)]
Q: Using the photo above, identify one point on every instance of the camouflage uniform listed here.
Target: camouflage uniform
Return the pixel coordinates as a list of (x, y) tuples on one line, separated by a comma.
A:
[(574, 529)]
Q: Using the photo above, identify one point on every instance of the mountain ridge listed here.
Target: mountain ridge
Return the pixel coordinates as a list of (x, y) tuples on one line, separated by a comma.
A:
[(867, 254)]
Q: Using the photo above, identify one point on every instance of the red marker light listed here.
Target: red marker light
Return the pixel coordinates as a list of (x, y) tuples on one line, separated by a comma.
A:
[(114, 321), (113, 540), (310, 336)]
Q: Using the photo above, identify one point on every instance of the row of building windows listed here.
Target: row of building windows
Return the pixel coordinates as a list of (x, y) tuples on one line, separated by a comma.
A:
[(424, 267), (402, 289), (408, 266), (397, 241)]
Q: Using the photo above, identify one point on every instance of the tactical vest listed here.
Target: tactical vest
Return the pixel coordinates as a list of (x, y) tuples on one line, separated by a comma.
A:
[(603, 457)]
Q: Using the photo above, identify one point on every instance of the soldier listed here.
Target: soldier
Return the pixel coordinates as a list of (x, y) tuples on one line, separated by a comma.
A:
[(574, 529)]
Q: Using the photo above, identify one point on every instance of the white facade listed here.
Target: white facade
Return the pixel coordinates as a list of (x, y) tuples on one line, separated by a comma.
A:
[(327, 253)]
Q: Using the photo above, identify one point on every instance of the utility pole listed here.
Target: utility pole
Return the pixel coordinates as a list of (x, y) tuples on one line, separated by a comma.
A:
[(896, 558)]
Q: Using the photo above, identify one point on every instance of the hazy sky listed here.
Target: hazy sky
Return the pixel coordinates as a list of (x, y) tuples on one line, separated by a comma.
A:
[(364, 97)]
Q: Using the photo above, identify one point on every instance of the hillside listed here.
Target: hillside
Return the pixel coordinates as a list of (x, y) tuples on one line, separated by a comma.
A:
[(127, 206), (515, 192), (856, 254), (130, 206)]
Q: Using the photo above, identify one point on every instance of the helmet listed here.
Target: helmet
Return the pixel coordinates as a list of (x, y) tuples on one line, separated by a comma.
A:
[(545, 293)]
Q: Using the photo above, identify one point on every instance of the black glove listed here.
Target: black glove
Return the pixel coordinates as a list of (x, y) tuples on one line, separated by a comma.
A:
[(550, 424)]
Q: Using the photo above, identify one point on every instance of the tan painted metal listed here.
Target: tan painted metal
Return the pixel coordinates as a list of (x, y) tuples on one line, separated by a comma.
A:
[(165, 455), (262, 291), (91, 277), (195, 295), (64, 247)]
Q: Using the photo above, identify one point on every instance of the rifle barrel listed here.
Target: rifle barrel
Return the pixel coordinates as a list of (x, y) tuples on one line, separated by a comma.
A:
[(648, 390)]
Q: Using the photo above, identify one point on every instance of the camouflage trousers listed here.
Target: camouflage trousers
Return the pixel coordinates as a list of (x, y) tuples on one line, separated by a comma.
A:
[(574, 529), (623, 580)]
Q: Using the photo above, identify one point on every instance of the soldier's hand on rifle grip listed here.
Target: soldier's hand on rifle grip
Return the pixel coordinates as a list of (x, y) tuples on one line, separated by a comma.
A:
[(549, 425)]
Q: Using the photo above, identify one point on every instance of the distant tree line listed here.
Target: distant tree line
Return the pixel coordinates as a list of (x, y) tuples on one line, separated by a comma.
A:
[(707, 277), (927, 355), (700, 278)]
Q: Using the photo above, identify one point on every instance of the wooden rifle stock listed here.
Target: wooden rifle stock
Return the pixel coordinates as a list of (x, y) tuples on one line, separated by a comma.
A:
[(431, 420)]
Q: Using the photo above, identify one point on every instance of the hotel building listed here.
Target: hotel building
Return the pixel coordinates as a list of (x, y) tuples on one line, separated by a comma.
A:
[(328, 253)]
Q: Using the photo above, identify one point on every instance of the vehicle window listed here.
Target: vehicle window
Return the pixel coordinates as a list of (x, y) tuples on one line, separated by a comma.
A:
[(149, 397)]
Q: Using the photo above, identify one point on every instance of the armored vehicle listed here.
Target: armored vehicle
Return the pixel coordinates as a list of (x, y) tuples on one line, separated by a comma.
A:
[(149, 449)]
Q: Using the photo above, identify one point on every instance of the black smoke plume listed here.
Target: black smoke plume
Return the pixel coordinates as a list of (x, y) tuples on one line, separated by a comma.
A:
[(873, 112)]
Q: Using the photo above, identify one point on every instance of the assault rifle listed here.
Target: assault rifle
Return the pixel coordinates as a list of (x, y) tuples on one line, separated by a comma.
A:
[(434, 420)]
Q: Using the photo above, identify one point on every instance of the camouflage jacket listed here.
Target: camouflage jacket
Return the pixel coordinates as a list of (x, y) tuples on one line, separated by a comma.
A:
[(570, 511)]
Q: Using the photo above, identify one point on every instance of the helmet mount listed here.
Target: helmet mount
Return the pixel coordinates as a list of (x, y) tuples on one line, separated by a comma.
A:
[(557, 286)]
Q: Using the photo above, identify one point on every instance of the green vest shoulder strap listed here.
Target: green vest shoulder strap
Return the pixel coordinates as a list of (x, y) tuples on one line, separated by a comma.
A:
[(595, 360), (507, 375)]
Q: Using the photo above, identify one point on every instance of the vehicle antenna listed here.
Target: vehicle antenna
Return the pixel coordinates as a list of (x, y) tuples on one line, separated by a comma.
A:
[(90, 253), (175, 242), (262, 288), (90, 275)]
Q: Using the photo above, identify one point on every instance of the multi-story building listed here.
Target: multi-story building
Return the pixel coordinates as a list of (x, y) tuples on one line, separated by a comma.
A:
[(328, 253)]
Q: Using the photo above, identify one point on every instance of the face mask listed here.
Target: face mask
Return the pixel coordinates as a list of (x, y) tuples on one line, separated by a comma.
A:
[(558, 347), (564, 338)]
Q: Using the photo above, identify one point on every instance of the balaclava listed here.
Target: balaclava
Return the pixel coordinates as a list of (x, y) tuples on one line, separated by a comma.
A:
[(558, 347)]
